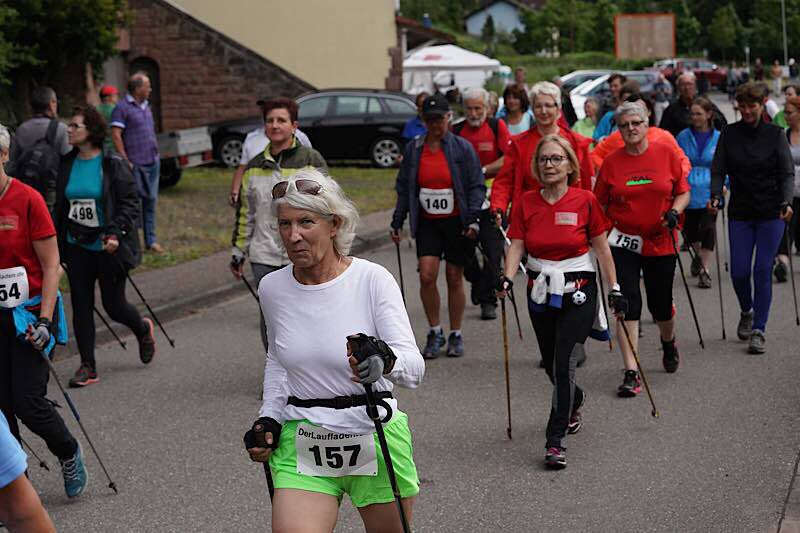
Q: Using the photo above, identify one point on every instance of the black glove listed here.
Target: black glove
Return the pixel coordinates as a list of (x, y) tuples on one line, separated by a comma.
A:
[(617, 302), (671, 217), (237, 259), (504, 284), (364, 346), (254, 438)]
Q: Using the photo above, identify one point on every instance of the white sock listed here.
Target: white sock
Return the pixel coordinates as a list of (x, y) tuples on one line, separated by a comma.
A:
[(456, 332), (436, 329)]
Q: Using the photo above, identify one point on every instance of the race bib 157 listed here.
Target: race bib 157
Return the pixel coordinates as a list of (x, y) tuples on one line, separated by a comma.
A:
[(321, 452)]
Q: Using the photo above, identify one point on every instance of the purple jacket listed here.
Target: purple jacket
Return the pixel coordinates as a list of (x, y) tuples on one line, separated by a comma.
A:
[(138, 130)]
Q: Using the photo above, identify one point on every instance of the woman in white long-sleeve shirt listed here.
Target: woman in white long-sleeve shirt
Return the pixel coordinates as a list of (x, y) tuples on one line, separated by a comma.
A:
[(321, 443)]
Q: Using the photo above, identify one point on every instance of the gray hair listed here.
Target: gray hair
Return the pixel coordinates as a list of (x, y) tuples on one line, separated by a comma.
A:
[(331, 202), (476, 93), (592, 99), (637, 108), (687, 75), (5, 139), (545, 88)]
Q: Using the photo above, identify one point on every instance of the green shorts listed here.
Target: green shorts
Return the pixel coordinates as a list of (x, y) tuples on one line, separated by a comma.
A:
[(363, 490)]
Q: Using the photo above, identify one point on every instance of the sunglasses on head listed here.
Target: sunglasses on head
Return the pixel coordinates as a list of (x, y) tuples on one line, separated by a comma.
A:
[(304, 186)]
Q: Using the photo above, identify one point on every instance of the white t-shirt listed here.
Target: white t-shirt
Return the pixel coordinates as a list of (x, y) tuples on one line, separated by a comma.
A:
[(307, 354), (256, 141)]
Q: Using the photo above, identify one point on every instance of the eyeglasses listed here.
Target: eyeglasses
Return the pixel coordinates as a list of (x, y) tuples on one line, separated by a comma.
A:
[(544, 106), (633, 124), (554, 160), (304, 186), (75, 126)]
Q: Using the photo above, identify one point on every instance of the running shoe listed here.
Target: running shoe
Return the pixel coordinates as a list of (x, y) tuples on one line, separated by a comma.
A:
[(488, 311), (433, 345), (704, 281), (147, 343), (455, 345), (745, 327), (696, 267), (576, 420), (75, 474), (555, 458), (671, 358), (757, 342), (631, 385), (85, 375), (780, 271)]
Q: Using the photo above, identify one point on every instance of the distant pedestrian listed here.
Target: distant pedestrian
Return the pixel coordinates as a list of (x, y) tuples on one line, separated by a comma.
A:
[(255, 143), (777, 73), (586, 125), (415, 126), (134, 135), (793, 70), (758, 70), (792, 111), (519, 79), (607, 107), (109, 95), (96, 212), (789, 91), (732, 81), (516, 112), (676, 117)]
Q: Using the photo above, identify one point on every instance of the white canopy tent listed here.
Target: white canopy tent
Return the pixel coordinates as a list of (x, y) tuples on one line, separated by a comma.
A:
[(446, 66)]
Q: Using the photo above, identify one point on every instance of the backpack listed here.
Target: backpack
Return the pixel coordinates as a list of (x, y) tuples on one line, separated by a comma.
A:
[(38, 164), (492, 125)]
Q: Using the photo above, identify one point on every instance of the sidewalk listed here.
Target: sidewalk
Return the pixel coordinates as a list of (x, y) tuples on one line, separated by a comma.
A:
[(181, 290)]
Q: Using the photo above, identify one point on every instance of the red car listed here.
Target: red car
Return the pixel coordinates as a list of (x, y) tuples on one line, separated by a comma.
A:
[(702, 68)]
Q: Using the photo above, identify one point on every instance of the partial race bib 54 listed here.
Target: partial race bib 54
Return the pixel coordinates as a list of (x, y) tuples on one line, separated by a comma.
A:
[(13, 287)]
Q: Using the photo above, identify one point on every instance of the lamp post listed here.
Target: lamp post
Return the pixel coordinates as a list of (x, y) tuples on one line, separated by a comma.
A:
[(785, 45)]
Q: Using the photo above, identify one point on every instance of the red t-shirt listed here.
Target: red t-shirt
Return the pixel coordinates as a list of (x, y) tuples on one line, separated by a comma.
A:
[(23, 219), (488, 148), (559, 231), (434, 174), (638, 190)]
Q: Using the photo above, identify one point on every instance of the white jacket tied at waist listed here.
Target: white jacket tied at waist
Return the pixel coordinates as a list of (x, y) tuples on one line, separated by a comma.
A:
[(551, 276)]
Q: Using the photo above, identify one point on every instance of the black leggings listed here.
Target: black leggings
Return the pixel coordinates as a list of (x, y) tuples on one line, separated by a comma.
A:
[(557, 332), (657, 272), (23, 386), (794, 230), (84, 267)]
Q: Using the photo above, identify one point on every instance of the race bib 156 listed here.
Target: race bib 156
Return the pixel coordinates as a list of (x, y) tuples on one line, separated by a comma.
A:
[(84, 212), (321, 452), (632, 243), (13, 287), (437, 201)]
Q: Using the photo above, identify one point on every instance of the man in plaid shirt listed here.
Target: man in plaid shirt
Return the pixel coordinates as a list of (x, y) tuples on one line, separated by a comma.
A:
[(134, 136)]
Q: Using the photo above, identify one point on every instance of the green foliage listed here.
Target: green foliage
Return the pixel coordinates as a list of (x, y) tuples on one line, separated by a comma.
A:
[(488, 31), (539, 68), (724, 30), (49, 35)]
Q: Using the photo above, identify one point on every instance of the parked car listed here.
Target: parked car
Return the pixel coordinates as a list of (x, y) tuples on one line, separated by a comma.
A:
[(703, 69), (577, 77), (356, 123), (181, 149), (228, 137), (599, 88)]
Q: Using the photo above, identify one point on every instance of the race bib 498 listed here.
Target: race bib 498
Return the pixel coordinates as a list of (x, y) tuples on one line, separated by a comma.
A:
[(84, 212)]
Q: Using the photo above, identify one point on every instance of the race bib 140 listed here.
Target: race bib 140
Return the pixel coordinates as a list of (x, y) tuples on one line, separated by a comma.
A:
[(437, 201), (321, 452)]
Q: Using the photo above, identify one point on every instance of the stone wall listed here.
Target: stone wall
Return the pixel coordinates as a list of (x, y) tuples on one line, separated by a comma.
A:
[(204, 77)]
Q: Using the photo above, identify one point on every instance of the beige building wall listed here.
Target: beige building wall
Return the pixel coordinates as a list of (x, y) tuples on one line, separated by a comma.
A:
[(327, 43)]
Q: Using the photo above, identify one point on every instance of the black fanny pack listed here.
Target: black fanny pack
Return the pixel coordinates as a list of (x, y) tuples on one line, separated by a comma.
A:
[(345, 402), (83, 234)]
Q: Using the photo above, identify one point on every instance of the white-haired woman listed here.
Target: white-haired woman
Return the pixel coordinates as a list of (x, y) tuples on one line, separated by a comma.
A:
[(644, 190), (557, 226), (320, 440), (29, 305)]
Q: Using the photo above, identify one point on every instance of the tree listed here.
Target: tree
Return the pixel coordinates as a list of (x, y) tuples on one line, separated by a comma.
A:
[(724, 29), (488, 31), (687, 28)]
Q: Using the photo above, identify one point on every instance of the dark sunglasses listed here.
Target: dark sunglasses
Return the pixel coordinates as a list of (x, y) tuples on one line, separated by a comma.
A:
[(304, 186)]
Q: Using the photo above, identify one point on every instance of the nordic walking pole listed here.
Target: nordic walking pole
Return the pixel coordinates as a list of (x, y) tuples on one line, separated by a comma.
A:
[(400, 268), (147, 305), (654, 412), (505, 361), (372, 412), (250, 288), (42, 464), (603, 301), (499, 275), (111, 484), (686, 286), (725, 235), (791, 274), (719, 284), (103, 319)]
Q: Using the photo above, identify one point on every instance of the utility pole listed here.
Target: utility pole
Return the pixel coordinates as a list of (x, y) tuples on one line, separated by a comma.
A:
[(785, 44)]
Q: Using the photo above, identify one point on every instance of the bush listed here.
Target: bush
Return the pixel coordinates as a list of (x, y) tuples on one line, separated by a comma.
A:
[(546, 68)]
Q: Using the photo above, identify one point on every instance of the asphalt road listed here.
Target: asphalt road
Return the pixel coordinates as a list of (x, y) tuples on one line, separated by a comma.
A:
[(719, 458)]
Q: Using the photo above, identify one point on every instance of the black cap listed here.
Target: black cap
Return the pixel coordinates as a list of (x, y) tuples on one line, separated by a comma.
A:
[(436, 104)]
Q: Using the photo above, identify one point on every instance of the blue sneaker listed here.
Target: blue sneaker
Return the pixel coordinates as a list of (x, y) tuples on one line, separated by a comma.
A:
[(433, 345), (455, 345), (75, 474)]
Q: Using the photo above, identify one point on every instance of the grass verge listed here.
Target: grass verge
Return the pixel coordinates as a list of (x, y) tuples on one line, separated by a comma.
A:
[(195, 220)]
